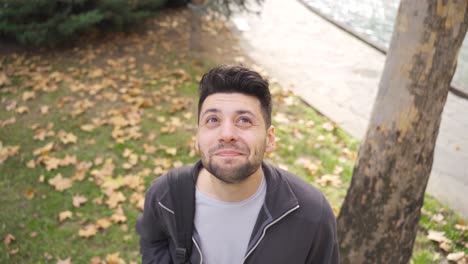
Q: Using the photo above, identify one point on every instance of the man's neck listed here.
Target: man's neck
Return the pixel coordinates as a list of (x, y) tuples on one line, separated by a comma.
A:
[(228, 192)]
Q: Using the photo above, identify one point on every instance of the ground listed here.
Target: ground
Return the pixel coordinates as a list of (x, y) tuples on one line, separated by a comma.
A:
[(86, 128)]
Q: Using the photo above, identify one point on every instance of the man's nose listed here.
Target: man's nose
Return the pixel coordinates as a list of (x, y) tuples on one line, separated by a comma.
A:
[(228, 132)]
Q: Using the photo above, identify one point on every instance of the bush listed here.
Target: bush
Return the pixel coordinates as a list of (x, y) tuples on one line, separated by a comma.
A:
[(43, 21)]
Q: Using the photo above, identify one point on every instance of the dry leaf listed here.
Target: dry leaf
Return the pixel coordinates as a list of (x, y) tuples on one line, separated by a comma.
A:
[(119, 216), (437, 236), (65, 261), (13, 251), (95, 260), (28, 95), (115, 198), (88, 231), (114, 259), (60, 183), (44, 150), (8, 151), (29, 194), (456, 256), (8, 239), (65, 215), (67, 138), (103, 223), (329, 179), (78, 200), (22, 110), (31, 164), (44, 109), (88, 127)]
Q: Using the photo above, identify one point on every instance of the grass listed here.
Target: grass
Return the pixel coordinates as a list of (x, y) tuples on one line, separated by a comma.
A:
[(309, 145)]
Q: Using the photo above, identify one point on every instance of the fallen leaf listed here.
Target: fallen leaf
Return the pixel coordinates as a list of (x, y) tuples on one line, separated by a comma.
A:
[(67, 138), (437, 236), (88, 127), (115, 198), (329, 179), (13, 251), (88, 231), (60, 183), (95, 260), (445, 246), (78, 200), (8, 151), (456, 256), (33, 234), (44, 109), (22, 110), (103, 223), (328, 126), (8, 239), (65, 215), (44, 150), (65, 261), (29, 194), (28, 95), (9, 121), (119, 216), (114, 259), (31, 164)]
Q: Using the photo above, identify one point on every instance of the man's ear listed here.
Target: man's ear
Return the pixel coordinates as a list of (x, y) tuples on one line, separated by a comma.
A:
[(270, 140)]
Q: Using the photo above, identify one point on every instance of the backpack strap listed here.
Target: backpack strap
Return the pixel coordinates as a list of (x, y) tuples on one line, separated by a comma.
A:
[(182, 186)]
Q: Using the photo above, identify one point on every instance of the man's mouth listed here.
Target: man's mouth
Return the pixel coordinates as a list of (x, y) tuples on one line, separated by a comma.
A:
[(228, 153)]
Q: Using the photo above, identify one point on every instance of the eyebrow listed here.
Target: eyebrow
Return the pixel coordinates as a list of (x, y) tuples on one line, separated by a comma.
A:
[(238, 112)]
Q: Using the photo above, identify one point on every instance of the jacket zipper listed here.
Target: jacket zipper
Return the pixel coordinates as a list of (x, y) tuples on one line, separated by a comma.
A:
[(265, 229)]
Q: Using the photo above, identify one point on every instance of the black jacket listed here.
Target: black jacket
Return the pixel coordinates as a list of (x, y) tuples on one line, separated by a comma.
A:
[(295, 225)]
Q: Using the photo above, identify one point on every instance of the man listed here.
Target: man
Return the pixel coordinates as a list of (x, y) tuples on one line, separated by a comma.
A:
[(246, 210)]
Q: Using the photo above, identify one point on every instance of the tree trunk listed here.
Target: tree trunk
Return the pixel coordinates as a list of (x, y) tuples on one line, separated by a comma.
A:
[(379, 217)]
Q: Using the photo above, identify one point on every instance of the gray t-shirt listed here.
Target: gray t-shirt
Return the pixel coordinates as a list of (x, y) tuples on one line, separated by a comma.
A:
[(224, 228)]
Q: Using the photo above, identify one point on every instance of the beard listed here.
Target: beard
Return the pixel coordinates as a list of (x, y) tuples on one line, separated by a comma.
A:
[(232, 171)]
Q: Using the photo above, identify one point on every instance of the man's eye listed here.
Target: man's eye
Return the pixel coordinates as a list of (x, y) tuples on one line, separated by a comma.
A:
[(244, 121), (212, 120)]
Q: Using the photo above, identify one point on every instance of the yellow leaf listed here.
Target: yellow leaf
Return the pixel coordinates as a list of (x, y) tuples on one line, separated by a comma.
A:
[(67, 138), (171, 151), (78, 200), (44, 150), (65, 215), (119, 216), (64, 261), (88, 127), (103, 223), (96, 73), (31, 164), (115, 198), (61, 183), (22, 110), (114, 259), (28, 95), (88, 231), (44, 109), (8, 151)]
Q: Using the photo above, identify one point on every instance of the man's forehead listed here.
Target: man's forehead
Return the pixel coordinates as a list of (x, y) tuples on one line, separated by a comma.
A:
[(230, 101)]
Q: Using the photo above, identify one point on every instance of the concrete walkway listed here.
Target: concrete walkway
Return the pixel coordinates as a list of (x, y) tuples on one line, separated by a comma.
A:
[(338, 75)]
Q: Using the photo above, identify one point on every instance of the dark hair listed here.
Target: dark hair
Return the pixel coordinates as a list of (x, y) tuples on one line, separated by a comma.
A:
[(236, 79)]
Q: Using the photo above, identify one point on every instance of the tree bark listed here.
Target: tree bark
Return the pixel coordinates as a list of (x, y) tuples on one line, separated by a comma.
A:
[(379, 217)]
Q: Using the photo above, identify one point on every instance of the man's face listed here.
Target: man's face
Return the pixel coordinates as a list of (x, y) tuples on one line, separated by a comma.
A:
[(232, 136)]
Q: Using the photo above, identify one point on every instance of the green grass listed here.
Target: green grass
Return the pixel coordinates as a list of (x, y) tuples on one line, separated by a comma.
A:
[(34, 222)]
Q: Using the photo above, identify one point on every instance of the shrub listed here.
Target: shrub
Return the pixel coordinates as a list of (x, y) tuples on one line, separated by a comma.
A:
[(43, 21)]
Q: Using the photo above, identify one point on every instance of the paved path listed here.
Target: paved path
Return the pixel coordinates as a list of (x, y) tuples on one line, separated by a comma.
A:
[(338, 75)]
